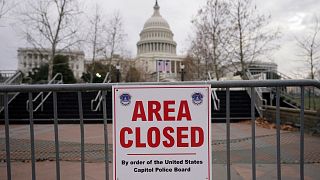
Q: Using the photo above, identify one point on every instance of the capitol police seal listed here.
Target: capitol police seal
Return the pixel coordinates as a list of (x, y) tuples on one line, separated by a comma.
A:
[(197, 98), (125, 99)]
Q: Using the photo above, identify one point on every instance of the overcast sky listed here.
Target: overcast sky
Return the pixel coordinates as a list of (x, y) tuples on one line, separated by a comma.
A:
[(292, 17)]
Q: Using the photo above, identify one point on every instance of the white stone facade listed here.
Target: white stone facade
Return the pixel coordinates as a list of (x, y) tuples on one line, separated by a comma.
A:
[(156, 43), (258, 67), (29, 58)]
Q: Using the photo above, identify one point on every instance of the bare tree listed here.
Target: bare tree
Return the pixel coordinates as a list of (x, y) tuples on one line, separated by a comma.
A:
[(105, 37), (310, 47), (115, 36), (212, 34), (51, 23), (190, 69), (5, 7), (251, 39), (196, 52), (133, 75), (310, 51), (96, 37)]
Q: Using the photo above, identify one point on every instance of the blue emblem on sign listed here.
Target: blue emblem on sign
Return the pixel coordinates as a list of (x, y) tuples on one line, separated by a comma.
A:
[(125, 99), (197, 98)]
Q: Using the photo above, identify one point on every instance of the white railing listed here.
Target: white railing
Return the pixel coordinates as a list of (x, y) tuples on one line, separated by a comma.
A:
[(99, 98), (6, 75), (260, 102), (291, 95), (216, 100), (57, 79), (14, 79)]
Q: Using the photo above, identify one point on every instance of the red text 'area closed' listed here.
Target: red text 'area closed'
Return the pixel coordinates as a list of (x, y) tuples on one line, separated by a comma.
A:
[(166, 137)]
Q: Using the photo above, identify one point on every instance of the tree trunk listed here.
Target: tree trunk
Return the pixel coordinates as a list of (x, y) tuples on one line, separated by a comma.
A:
[(215, 64), (50, 65), (242, 62), (50, 70), (217, 73)]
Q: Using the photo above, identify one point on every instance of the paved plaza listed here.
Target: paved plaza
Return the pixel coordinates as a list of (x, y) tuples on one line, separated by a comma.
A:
[(69, 137)]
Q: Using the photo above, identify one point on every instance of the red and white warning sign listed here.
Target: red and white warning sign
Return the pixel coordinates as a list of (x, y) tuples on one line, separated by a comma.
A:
[(161, 132)]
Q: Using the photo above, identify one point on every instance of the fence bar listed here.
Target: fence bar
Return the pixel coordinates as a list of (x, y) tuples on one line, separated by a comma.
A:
[(6, 119), (105, 128), (214, 84), (253, 134), (33, 161), (228, 133), (278, 134), (56, 134), (302, 135), (81, 135)]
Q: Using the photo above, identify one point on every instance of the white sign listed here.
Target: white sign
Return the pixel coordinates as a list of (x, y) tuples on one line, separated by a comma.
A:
[(161, 132)]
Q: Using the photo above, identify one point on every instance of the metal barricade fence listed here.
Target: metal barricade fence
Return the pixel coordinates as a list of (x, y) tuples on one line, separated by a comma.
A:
[(79, 88)]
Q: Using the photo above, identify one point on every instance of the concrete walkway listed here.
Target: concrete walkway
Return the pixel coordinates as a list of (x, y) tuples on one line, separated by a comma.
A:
[(69, 136)]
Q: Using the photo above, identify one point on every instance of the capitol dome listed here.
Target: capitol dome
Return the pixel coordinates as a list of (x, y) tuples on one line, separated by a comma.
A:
[(156, 36), (156, 20)]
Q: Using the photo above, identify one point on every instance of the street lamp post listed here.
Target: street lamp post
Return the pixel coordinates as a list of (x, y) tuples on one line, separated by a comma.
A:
[(118, 72), (182, 71)]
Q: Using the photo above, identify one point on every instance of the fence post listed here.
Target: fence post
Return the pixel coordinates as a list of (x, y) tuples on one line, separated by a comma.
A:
[(7, 129)]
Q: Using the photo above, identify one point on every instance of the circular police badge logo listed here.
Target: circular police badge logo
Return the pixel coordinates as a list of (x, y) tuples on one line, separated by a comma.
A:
[(197, 98), (125, 99)]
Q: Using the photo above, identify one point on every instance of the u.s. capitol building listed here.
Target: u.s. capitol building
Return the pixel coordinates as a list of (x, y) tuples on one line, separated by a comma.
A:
[(156, 49)]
